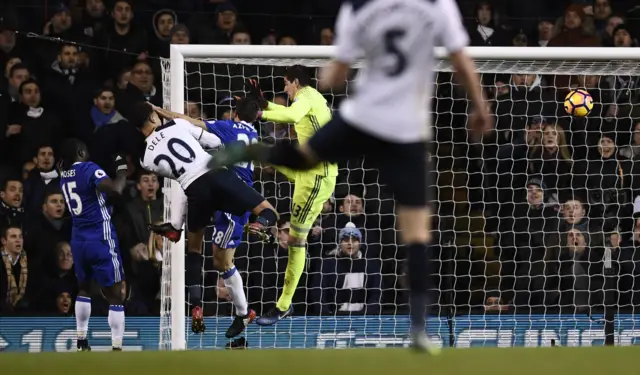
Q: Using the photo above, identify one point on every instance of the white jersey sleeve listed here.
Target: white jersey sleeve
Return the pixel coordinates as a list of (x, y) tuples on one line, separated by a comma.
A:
[(174, 151), (347, 49), (206, 139), (453, 36)]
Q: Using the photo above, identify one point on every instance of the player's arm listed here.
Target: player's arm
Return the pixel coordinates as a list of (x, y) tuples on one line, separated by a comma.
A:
[(289, 115), (455, 38), (168, 115), (206, 139), (112, 188), (334, 74)]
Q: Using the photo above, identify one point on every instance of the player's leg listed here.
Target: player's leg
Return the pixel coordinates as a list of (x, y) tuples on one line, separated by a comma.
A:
[(310, 193), (83, 301), (226, 237), (404, 168), (109, 274), (193, 276), (333, 142)]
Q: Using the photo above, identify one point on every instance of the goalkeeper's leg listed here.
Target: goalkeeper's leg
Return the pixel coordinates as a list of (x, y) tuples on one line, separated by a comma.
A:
[(310, 193)]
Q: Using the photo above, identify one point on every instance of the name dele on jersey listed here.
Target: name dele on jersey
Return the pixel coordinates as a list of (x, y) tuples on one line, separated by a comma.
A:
[(155, 141)]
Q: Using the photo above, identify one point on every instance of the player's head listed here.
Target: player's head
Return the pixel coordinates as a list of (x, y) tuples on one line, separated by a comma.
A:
[(144, 118), (295, 78), (73, 150), (247, 110)]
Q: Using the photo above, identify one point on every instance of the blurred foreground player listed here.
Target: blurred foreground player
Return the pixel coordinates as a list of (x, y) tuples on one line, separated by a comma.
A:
[(228, 228), (94, 244), (175, 150), (387, 119)]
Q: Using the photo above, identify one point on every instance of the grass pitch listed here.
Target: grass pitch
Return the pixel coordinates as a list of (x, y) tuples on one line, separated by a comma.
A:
[(475, 361)]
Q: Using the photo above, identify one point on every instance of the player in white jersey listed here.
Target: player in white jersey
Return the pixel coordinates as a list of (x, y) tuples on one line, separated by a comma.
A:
[(175, 150), (387, 119)]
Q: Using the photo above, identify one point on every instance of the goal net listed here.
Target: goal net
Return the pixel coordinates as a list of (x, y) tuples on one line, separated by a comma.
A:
[(535, 222)]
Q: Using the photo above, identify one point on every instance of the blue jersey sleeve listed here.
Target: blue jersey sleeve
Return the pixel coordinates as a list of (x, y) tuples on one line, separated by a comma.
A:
[(223, 129), (95, 174)]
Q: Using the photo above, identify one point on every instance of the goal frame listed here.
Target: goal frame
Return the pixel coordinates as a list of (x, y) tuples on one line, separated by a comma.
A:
[(179, 53)]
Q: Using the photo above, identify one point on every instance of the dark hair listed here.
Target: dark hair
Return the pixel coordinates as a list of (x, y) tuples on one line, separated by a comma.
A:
[(50, 192), (140, 114), (100, 91), (247, 109), (298, 72), (129, 2), (10, 226), (69, 152), (65, 45), (144, 172), (5, 183), (43, 145), (19, 66), (27, 82)]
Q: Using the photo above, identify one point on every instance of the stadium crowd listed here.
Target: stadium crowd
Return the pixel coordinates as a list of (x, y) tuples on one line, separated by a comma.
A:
[(526, 217)]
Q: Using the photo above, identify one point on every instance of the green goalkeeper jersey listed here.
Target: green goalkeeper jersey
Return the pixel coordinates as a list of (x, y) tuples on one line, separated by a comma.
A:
[(309, 112)]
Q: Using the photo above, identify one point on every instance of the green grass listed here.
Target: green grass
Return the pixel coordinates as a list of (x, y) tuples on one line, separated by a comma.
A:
[(477, 361)]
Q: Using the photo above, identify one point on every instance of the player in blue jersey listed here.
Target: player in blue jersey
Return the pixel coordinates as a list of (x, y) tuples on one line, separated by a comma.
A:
[(94, 244), (228, 228)]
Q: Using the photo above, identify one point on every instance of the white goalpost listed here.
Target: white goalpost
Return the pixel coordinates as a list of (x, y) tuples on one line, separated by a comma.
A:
[(473, 238)]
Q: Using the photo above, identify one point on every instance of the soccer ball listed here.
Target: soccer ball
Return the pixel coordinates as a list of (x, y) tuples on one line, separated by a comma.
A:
[(578, 103)]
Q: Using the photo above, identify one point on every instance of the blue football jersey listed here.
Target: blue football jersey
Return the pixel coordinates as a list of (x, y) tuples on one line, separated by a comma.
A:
[(90, 213), (229, 131)]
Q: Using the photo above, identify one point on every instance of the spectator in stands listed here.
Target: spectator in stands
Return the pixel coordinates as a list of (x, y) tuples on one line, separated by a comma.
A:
[(68, 89), (524, 238), (63, 301), (351, 210), (545, 31), (484, 30), (622, 37), (607, 35), (326, 36), (144, 272), (26, 169), (18, 73), (628, 256), (44, 176), (520, 38), (46, 229), (601, 13), (63, 272), (60, 23), (146, 208), (112, 133), (180, 34), (287, 40), (608, 180), (124, 43), (240, 37), (103, 111), (193, 110), (574, 29), (225, 23), (38, 125), (633, 150), (574, 270), (18, 283), (347, 282), (122, 79), (94, 19), (11, 211), (163, 22), (552, 159), (140, 88)]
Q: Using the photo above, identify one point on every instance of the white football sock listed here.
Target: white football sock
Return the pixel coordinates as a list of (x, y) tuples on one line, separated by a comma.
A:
[(233, 283), (116, 323), (83, 313)]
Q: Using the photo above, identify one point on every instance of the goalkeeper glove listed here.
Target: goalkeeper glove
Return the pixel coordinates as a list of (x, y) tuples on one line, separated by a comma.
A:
[(253, 88), (121, 163)]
